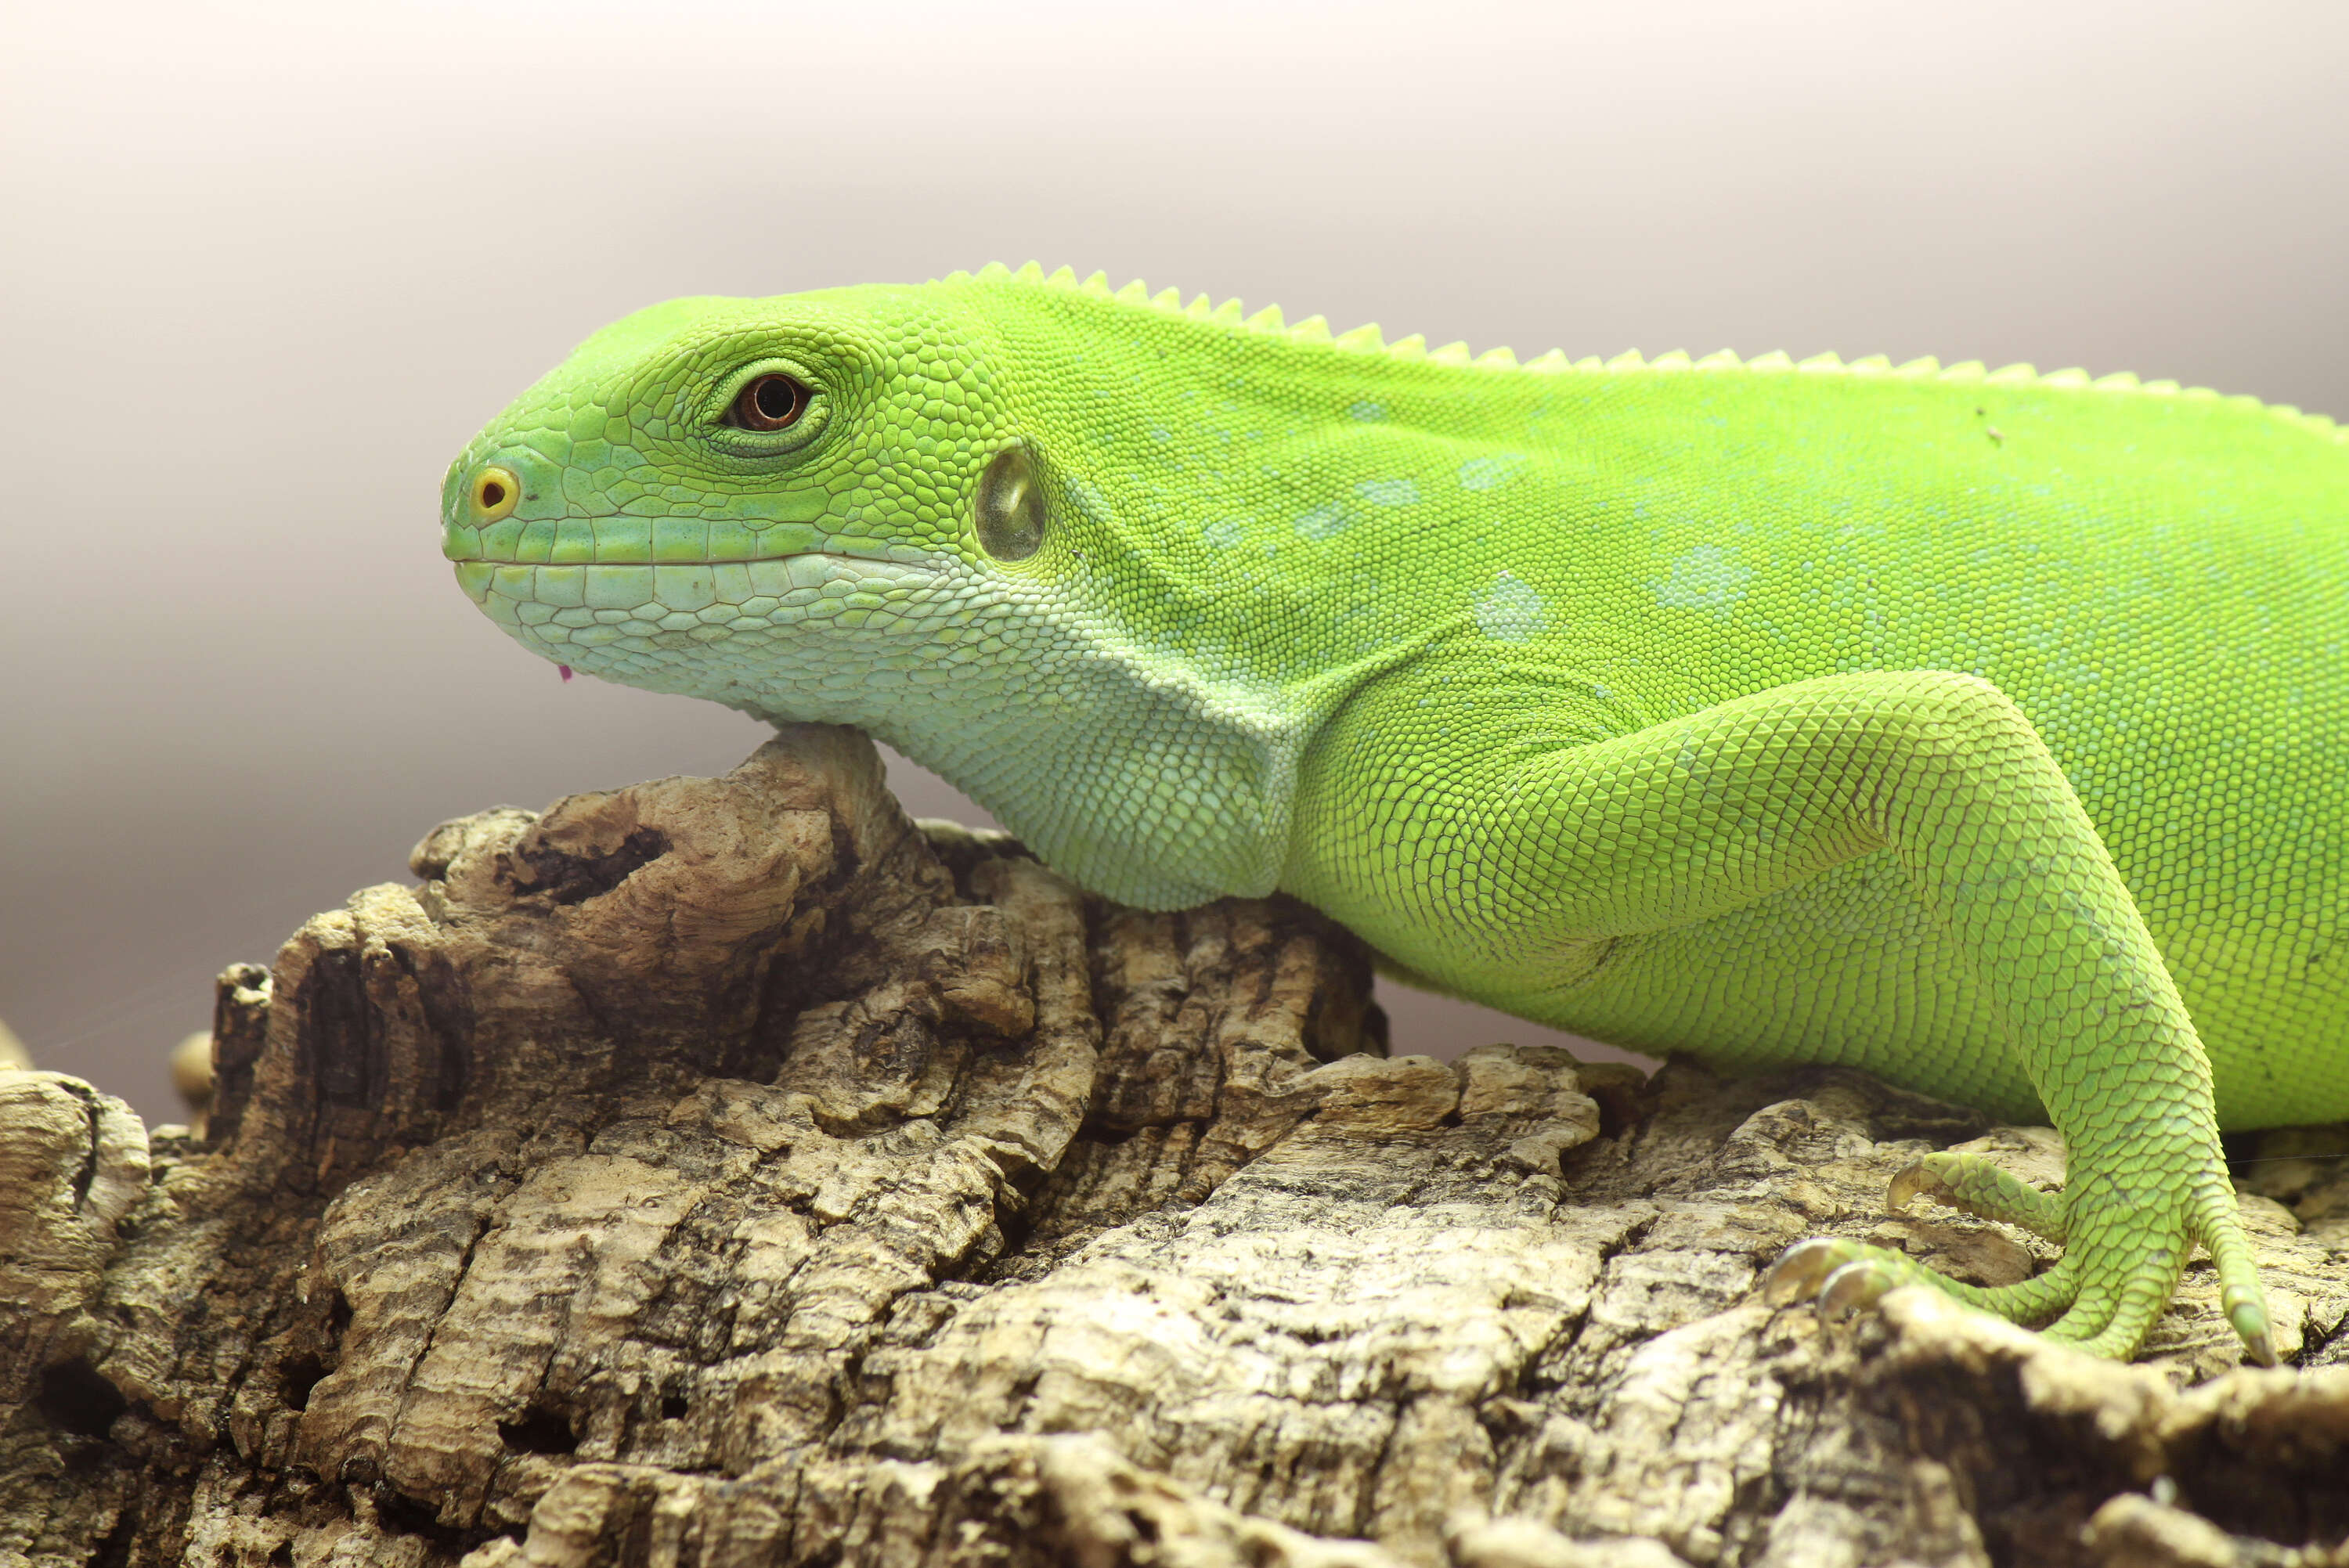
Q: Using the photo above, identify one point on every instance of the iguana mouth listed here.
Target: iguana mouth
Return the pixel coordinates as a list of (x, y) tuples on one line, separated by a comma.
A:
[(622, 539), (711, 561)]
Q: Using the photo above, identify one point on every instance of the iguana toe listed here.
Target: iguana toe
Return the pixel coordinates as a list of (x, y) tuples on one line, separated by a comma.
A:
[(1977, 1186), (1844, 1276), (2217, 1225), (2250, 1321)]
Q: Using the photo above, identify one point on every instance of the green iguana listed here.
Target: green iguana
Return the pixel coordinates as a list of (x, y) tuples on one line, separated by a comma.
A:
[(1987, 731)]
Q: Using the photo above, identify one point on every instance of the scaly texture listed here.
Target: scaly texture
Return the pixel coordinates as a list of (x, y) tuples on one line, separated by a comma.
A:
[(1981, 729)]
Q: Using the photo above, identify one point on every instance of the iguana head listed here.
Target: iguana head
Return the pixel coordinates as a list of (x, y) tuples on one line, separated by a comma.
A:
[(818, 482), (867, 506)]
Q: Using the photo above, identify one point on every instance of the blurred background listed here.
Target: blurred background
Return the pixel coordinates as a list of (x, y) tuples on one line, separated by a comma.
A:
[(265, 267)]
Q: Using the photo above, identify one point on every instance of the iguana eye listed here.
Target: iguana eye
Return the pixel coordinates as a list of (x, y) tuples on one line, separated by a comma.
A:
[(769, 403)]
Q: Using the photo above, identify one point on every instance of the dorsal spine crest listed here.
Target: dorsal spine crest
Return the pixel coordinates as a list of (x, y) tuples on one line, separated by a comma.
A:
[(1367, 339)]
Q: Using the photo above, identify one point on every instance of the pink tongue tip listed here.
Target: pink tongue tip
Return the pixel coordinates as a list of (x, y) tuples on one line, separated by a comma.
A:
[(566, 669)]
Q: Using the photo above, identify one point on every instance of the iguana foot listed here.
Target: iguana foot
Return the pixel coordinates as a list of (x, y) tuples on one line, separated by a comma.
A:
[(2113, 1281)]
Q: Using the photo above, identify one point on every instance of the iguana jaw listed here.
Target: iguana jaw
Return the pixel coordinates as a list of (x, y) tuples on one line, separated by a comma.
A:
[(624, 617), (619, 539)]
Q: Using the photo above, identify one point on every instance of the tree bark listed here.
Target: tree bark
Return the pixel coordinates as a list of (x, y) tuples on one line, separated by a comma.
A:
[(731, 1171)]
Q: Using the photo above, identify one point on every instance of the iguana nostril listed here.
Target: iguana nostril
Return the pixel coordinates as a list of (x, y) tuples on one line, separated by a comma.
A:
[(495, 491)]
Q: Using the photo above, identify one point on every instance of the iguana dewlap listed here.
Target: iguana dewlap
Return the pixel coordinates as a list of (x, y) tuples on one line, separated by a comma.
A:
[(1986, 731)]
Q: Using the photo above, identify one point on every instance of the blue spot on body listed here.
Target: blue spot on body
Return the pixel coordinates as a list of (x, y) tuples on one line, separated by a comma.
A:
[(1088, 498), (1388, 492), (1709, 577), (1510, 611), (1368, 413), (1323, 521), (1484, 473)]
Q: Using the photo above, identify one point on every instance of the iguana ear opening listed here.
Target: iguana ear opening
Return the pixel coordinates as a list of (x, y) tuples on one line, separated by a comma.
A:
[(1010, 508)]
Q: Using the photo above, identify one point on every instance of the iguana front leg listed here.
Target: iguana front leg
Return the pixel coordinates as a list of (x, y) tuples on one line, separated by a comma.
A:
[(1699, 816)]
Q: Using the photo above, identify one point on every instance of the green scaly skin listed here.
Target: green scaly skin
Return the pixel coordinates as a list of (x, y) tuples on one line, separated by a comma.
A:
[(1981, 730)]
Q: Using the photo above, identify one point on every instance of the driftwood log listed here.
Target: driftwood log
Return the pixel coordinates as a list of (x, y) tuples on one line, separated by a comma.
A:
[(731, 1171)]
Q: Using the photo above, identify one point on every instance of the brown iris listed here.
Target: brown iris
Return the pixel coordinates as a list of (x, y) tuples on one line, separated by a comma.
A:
[(770, 402)]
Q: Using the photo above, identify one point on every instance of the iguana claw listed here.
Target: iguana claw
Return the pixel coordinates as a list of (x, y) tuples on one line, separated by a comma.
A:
[(1912, 1181), (1860, 1283), (1803, 1269), (1841, 1275)]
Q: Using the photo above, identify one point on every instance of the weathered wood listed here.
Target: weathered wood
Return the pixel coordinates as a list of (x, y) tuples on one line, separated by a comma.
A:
[(729, 1172)]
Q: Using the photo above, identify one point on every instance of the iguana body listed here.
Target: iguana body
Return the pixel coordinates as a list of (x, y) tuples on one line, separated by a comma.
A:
[(1769, 713)]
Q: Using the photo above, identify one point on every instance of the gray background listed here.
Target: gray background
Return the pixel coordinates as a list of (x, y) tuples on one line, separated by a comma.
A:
[(266, 267)]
